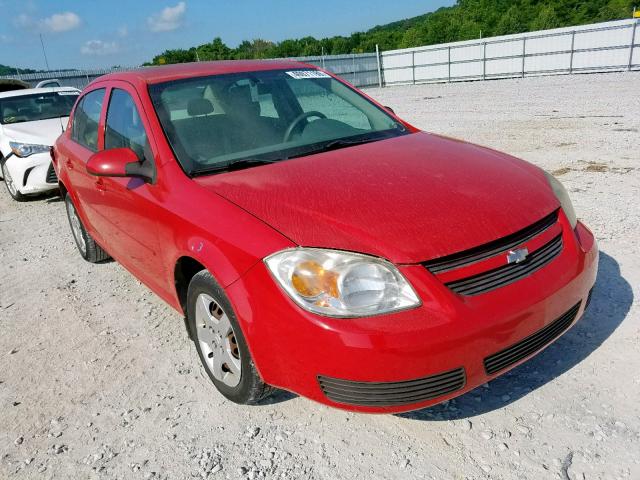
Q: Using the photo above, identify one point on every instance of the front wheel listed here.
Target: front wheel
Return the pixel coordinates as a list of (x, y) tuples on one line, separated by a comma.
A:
[(88, 248), (11, 185), (220, 342)]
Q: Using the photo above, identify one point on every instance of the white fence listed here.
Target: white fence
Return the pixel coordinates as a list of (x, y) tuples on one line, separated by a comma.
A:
[(608, 46), (599, 47)]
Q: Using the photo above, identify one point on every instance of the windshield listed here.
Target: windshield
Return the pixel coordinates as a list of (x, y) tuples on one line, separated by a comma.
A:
[(250, 118), (39, 106)]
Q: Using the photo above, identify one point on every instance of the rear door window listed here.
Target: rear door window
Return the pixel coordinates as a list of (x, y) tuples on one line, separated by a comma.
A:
[(87, 118)]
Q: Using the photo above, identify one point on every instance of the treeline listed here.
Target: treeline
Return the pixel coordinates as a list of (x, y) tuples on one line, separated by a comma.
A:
[(7, 70), (466, 20)]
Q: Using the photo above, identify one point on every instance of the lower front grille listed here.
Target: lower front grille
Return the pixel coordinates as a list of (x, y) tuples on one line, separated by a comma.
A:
[(510, 273), (392, 393), (507, 357), (51, 175)]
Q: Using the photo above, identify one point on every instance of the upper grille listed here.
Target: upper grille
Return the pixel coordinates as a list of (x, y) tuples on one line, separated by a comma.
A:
[(507, 357), (467, 257), (392, 393), (506, 274), (51, 175)]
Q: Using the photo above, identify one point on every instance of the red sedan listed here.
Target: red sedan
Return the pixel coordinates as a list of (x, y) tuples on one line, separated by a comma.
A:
[(316, 242)]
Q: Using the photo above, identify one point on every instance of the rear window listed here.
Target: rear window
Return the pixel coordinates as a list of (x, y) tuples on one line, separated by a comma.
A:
[(86, 119), (34, 107)]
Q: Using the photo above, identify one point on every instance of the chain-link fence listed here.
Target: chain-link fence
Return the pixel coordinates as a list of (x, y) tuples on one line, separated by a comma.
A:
[(359, 69), (609, 46)]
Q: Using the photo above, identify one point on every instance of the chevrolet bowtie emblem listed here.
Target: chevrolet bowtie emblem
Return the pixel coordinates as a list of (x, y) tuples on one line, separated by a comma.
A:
[(518, 255)]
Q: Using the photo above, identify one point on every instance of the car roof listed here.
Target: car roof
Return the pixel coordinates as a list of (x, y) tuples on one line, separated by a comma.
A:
[(167, 73), (34, 91)]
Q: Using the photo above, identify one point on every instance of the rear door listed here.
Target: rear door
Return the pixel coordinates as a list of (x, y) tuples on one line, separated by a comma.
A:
[(85, 140)]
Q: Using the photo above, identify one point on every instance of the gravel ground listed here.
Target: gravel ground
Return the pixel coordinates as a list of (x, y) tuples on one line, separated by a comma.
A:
[(98, 379)]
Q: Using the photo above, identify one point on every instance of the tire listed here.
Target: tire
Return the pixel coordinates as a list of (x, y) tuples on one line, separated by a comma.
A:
[(88, 248), (11, 186), (220, 342)]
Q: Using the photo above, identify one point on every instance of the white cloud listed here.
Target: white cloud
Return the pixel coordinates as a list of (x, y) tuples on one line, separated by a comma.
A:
[(56, 23), (170, 18), (24, 21), (98, 47), (123, 31), (61, 22)]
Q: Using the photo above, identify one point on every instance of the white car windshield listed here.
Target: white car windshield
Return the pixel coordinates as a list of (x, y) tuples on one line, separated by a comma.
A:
[(38, 106), (240, 120)]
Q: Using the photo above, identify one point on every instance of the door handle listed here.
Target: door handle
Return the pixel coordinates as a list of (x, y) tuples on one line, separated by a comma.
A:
[(100, 186)]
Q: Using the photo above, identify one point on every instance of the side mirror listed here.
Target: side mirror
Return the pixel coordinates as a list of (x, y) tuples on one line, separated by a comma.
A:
[(390, 109), (119, 162)]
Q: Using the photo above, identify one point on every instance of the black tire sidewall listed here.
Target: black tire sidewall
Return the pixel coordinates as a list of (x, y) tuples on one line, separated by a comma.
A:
[(69, 204), (204, 282)]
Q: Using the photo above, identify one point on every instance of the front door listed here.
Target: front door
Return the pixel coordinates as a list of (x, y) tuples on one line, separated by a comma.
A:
[(132, 204)]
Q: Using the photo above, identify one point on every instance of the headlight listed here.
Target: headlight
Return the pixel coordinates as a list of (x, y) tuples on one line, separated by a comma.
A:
[(25, 149), (563, 198), (341, 284)]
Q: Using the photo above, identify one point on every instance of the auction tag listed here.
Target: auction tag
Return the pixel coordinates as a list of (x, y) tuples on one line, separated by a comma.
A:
[(302, 74)]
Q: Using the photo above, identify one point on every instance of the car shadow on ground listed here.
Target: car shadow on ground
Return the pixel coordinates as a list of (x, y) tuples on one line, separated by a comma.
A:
[(610, 303)]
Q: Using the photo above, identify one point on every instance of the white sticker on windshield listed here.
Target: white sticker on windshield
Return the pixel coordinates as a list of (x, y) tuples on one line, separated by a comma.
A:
[(302, 74), (67, 93)]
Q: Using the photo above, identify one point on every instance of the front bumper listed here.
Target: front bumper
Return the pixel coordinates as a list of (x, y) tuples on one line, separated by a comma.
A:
[(32, 174), (420, 352)]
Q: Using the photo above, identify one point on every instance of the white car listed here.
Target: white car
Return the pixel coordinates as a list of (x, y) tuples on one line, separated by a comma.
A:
[(30, 121)]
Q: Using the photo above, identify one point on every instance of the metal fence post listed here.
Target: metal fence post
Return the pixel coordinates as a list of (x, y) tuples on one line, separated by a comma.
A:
[(353, 58), (484, 60), (413, 67), (449, 64), (573, 42), (633, 41), (379, 66), (524, 53)]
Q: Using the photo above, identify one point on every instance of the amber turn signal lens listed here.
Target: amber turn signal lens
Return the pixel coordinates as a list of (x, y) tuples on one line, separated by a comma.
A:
[(310, 280)]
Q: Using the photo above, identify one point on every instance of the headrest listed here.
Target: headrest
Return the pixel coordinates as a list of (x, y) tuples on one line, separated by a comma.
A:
[(199, 106), (240, 101)]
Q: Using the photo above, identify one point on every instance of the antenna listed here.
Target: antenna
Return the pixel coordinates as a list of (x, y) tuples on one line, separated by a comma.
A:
[(44, 53)]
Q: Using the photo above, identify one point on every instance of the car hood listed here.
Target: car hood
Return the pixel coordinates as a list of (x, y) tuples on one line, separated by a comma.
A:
[(40, 132), (408, 199)]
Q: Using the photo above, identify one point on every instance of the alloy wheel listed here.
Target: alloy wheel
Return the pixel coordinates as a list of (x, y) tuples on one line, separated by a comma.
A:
[(76, 227), (11, 186), (217, 341)]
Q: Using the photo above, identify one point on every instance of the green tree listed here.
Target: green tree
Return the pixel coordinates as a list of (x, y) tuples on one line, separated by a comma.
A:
[(463, 21)]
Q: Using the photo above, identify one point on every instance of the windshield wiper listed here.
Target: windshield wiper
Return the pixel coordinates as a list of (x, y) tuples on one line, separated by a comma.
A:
[(337, 144), (233, 165)]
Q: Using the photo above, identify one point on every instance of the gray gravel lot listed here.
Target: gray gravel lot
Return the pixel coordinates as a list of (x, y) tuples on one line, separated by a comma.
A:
[(98, 379)]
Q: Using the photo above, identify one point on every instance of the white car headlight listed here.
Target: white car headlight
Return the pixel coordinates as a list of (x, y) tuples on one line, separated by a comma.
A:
[(341, 284), (25, 149), (563, 198)]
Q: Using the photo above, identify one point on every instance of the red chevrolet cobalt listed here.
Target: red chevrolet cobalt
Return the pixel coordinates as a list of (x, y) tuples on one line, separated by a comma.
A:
[(316, 242)]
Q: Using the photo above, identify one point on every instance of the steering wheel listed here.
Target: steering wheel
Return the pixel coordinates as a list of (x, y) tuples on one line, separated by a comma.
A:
[(296, 122)]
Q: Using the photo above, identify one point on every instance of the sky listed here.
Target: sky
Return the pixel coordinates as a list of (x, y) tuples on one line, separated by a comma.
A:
[(95, 34)]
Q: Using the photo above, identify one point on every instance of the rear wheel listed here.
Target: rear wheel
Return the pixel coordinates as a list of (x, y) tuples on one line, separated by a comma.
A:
[(10, 184), (88, 248), (220, 342)]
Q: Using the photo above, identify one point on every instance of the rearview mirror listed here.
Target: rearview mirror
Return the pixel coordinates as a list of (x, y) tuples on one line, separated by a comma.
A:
[(119, 162)]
